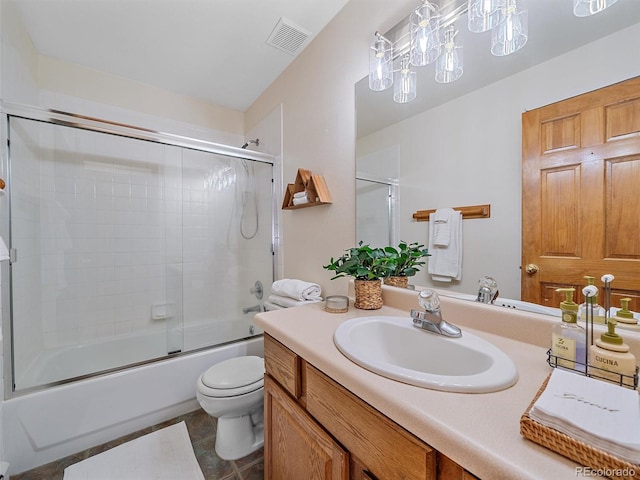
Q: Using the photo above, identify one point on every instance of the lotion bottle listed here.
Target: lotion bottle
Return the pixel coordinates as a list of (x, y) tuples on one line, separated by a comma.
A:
[(624, 315), (568, 342), (598, 311), (610, 357)]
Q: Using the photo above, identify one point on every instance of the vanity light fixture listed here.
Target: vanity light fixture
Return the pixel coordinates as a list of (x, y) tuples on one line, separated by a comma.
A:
[(484, 14), (404, 83), (512, 32), (450, 66), (425, 37), (584, 8), (381, 64)]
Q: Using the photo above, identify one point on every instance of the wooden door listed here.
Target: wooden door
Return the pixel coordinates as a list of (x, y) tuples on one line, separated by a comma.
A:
[(295, 446), (581, 194)]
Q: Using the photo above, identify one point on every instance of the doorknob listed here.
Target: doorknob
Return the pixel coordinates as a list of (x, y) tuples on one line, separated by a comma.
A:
[(531, 268)]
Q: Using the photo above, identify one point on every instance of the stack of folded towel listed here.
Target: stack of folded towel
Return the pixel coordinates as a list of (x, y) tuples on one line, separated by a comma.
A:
[(600, 414), (300, 197), (294, 293)]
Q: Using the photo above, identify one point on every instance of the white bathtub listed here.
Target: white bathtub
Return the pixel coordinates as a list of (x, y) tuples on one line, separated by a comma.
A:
[(49, 424)]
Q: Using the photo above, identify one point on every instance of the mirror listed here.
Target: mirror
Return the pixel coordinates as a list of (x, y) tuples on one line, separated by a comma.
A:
[(459, 144)]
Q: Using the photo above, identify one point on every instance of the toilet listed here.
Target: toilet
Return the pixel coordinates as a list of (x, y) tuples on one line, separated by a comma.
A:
[(233, 392)]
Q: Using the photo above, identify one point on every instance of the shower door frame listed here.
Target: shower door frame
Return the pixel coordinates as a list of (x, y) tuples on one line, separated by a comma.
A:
[(83, 122)]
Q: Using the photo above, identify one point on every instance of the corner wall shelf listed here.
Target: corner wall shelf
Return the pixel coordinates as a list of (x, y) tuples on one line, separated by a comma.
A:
[(313, 185)]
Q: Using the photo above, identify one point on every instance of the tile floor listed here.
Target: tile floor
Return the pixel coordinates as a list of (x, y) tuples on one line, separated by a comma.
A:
[(202, 430)]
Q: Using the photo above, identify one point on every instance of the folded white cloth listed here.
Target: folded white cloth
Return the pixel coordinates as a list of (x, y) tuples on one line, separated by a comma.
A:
[(296, 289), (287, 302), (300, 194), (600, 414), (300, 200), (445, 263), (442, 227), (268, 306)]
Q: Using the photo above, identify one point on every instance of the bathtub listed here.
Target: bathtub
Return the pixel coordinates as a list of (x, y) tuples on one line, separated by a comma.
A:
[(45, 425)]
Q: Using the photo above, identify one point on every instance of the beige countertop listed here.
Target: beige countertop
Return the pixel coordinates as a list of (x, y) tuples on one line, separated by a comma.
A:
[(478, 431)]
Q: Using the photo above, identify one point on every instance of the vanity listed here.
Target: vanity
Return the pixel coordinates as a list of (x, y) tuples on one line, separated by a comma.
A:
[(327, 417)]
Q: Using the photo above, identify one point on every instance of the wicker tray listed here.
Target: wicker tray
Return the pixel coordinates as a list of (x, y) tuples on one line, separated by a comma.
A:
[(599, 461)]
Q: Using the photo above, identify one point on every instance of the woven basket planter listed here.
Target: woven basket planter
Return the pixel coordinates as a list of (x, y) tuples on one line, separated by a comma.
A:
[(368, 294), (401, 282)]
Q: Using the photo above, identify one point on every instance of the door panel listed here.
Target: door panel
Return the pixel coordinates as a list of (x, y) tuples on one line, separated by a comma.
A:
[(580, 190)]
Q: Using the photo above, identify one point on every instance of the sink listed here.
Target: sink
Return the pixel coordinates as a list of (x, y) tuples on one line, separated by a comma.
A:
[(392, 347)]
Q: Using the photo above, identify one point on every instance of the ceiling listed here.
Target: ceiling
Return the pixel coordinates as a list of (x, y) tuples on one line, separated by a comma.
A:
[(215, 50), (553, 30)]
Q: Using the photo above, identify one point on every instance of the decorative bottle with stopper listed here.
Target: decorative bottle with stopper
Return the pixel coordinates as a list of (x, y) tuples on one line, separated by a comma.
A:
[(568, 339), (609, 357)]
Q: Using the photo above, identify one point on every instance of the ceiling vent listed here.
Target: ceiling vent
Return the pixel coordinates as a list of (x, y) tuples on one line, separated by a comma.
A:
[(288, 37)]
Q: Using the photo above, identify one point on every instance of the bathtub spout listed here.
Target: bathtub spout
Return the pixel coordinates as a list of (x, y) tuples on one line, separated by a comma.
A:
[(255, 308)]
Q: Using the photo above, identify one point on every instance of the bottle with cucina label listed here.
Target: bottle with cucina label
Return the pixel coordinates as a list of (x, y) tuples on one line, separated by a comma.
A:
[(568, 342), (610, 356)]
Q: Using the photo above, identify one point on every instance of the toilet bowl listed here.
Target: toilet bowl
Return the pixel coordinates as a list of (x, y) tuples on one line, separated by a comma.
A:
[(233, 392)]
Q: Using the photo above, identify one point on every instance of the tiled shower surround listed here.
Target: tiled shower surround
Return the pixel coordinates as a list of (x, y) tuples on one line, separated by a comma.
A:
[(122, 237)]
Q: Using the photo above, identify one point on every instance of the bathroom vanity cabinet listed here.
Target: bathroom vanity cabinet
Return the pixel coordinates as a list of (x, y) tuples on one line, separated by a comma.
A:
[(317, 429)]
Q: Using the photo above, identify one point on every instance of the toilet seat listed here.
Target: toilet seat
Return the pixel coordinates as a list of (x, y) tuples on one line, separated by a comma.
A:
[(233, 377)]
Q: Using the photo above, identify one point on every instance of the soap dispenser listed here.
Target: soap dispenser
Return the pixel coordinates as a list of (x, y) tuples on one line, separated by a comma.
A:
[(568, 339), (624, 315), (598, 311), (611, 357)]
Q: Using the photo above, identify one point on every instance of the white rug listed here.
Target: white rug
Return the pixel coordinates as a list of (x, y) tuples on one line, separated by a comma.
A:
[(166, 454)]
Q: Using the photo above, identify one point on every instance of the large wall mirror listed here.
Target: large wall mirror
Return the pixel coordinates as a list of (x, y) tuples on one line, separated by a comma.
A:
[(460, 144)]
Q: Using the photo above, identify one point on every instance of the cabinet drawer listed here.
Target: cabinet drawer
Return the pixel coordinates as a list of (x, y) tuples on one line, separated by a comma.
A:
[(283, 365), (390, 451)]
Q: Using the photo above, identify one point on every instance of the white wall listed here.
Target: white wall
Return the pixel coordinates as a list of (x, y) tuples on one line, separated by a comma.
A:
[(474, 155)]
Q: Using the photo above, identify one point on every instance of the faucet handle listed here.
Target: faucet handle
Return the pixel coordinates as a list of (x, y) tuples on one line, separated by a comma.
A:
[(429, 300)]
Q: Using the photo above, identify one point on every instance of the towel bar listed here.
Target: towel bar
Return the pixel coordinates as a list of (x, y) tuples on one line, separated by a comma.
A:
[(473, 211)]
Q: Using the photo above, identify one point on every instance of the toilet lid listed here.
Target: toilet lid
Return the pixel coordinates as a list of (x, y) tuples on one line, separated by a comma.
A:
[(234, 373)]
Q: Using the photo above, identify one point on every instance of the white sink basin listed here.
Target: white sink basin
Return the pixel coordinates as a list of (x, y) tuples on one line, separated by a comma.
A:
[(394, 348)]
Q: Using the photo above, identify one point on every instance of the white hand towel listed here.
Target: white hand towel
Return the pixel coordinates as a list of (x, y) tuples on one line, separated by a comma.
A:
[(296, 289), (300, 200), (445, 263), (442, 227), (300, 194), (287, 302), (598, 413)]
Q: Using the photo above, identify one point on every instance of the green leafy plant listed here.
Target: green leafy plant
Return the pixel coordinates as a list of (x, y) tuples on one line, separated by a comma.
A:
[(362, 263), (405, 260)]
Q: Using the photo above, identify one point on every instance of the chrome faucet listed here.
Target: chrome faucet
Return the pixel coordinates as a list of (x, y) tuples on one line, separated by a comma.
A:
[(487, 290), (255, 308), (431, 319)]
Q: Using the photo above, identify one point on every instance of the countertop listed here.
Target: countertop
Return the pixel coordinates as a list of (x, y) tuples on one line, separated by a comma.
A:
[(480, 432)]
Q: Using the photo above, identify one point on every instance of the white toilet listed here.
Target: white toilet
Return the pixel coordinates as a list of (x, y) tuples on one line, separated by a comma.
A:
[(233, 392)]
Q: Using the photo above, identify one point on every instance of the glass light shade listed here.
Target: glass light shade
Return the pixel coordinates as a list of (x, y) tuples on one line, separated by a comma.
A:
[(450, 65), (584, 8), (483, 15), (511, 34), (404, 83), (381, 65), (425, 40)]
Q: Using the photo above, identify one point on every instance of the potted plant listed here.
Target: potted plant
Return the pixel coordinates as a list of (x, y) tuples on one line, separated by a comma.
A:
[(404, 262), (367, 266)]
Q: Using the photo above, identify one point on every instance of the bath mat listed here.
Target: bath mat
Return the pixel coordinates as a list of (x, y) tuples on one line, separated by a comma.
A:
[(164, 454)]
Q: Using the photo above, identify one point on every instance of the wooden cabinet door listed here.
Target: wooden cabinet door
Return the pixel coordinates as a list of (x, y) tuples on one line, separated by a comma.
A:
[(581, 194), (295, 447)]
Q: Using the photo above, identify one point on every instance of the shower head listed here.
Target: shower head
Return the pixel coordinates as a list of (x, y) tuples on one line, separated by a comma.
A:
[(256, 142)]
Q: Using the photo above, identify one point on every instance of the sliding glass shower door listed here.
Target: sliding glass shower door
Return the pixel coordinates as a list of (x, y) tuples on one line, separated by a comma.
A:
[(128, 250)]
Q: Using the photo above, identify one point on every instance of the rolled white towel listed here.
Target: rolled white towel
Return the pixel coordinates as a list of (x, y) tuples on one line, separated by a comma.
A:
[(300, 200), (302, 194), (287, 302), (296, 289)]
